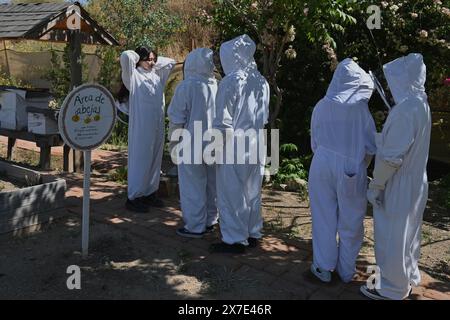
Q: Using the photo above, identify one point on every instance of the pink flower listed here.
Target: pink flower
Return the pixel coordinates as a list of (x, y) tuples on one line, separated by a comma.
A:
[(447, 82)]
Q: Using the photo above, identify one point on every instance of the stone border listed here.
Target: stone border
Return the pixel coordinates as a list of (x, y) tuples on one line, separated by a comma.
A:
[(33, 205)]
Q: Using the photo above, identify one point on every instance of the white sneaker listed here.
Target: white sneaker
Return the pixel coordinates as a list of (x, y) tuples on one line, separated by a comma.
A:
[(323, 275)]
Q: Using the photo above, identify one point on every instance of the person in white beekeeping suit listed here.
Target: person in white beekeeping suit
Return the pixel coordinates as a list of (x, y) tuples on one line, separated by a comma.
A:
[(343, 142), (399, 189), (192, 107), (242, 104), (144, 76)]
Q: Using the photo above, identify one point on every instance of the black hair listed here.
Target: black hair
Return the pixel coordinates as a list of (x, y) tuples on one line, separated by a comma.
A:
[(144, 54)]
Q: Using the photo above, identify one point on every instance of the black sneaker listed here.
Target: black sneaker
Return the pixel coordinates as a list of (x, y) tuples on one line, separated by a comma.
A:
[(136, 206), (186, 233), (236, 248), (372, 293), (210, 229), (253, 242), (152, 201)]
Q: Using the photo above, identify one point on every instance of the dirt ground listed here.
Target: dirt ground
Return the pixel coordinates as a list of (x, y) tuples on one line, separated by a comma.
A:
[(8, 185), (139, 256), (435, 251)]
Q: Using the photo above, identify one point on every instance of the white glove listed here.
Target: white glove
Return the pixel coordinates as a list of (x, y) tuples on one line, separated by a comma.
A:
[(374, 196), (381, 174)]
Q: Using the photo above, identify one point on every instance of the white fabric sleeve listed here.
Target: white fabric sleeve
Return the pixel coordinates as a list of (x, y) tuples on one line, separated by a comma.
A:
[(163, 68), (225, 104), (370, 131), (178, 108), (313, 138), (173, 143), (267, 105), (397, 138), (381, 174), (128, 61), (172, 128)]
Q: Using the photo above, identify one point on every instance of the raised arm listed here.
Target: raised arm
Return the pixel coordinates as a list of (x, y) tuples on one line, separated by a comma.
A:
[(164, 67), (128, 61)]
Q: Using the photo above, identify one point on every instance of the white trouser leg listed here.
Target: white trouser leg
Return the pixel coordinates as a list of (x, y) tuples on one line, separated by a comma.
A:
[(352, 210), (254, 193), (193, 181), (211, 207), (234, 211), (397, 236), (324, 212)]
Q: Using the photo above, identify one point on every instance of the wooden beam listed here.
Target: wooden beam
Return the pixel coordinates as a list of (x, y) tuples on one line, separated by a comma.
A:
[(9, 152), (75, 81), (8, 70)]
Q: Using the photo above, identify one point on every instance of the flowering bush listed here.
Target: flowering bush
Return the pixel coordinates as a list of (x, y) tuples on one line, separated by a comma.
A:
[(421, 26)]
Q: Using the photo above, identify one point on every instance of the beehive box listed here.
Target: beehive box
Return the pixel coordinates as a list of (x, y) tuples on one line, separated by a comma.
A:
[(39, 202), (13, 114), (39, 123)]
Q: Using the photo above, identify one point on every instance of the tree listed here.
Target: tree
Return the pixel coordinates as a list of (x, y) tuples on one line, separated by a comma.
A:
[(136, 22), (421, 26), (274, 24)]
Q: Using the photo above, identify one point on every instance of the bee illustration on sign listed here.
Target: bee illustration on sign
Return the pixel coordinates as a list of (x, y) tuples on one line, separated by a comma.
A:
[(86, 109)]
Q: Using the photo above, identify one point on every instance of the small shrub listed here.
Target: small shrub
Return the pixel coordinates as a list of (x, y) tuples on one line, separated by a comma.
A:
[(120, 175)]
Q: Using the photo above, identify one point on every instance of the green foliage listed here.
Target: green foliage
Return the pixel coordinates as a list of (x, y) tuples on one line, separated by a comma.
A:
[(133, 23), (109, 75), (119, 135), (120, 175), (59, 73), (6, 80), (292, 167), (288, 150), (275, 25), (407, 26), (136, 22), (444, 194)]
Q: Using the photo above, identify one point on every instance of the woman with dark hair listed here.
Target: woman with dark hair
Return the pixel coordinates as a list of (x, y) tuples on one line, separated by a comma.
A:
[(144, 76)]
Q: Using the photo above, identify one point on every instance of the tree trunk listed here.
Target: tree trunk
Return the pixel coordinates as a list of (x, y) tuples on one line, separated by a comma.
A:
[(276, 109)]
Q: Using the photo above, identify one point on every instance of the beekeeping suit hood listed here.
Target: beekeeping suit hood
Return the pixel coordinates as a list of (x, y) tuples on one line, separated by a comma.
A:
[(199, 63), (237, 55), (350, 83), (406, 77)]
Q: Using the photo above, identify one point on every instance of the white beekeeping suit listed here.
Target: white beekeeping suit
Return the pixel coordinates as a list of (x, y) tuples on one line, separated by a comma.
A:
[(399, 189), (242, 103), (342, 139), (193, 104), (146, 122)]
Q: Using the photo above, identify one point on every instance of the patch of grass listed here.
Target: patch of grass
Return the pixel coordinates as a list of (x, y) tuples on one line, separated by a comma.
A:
[(113, 147), (119, 175), (443, 197), (274, 225), (427, 236), (30, 158)]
